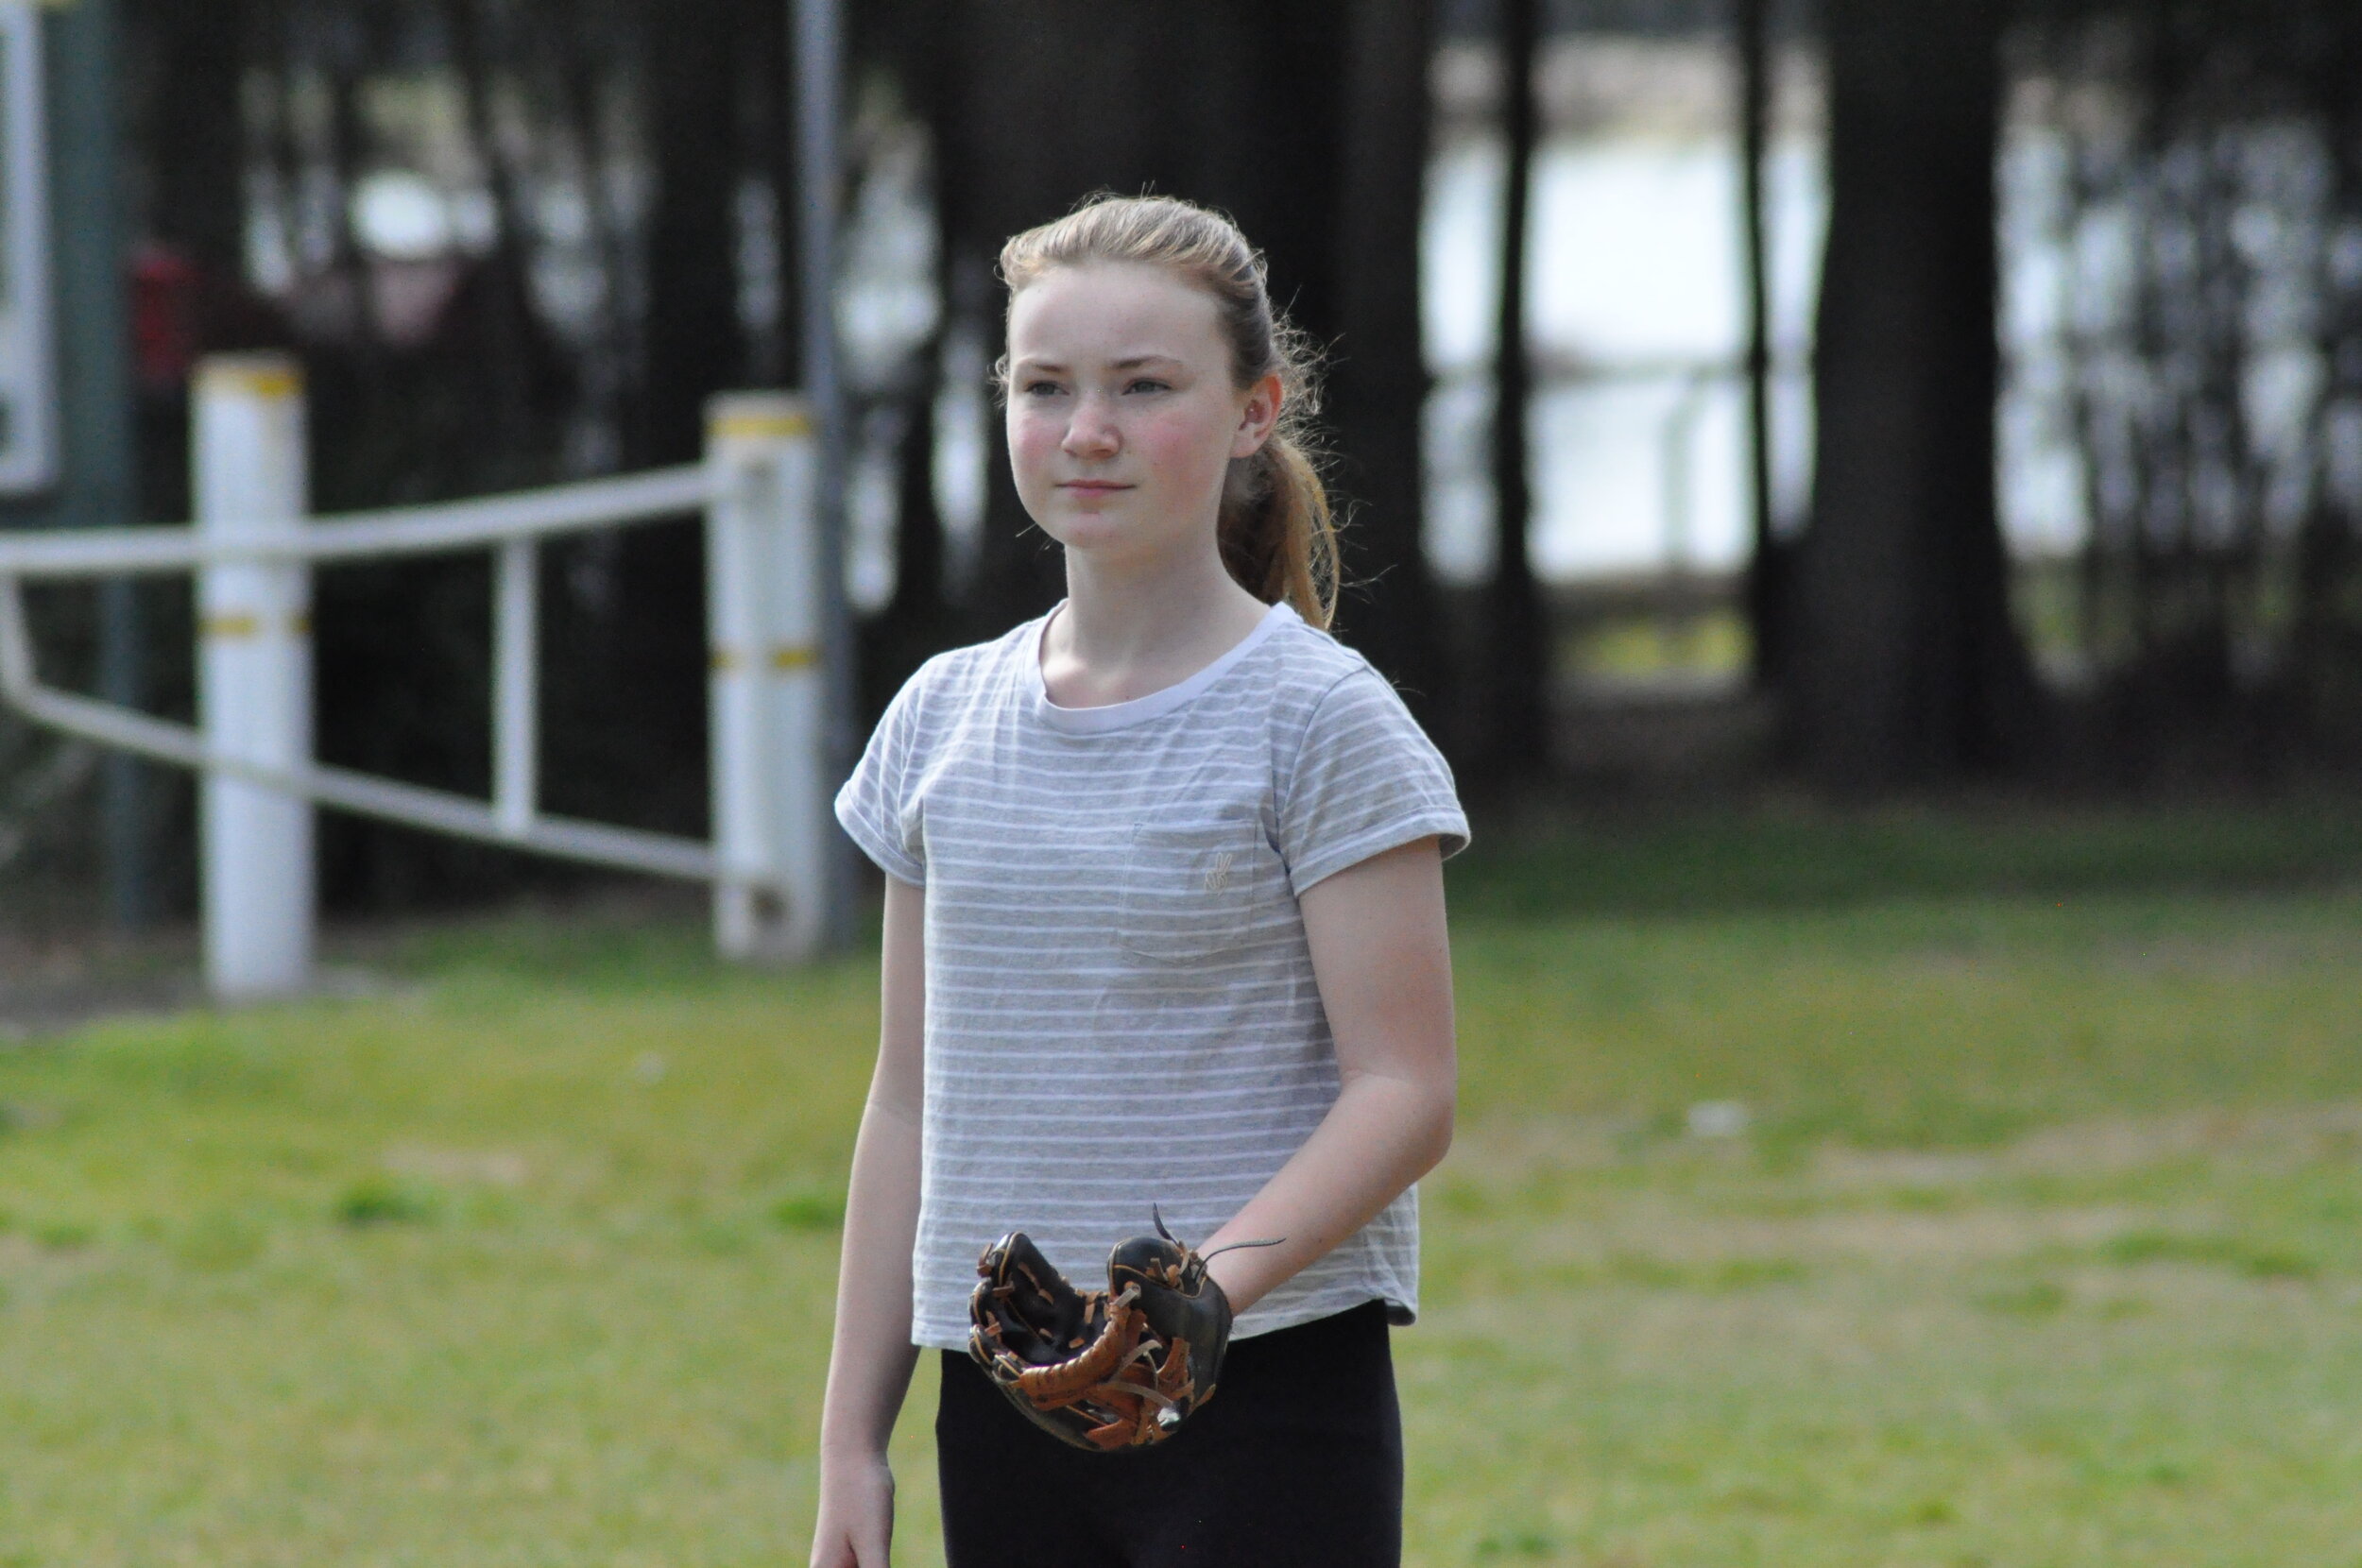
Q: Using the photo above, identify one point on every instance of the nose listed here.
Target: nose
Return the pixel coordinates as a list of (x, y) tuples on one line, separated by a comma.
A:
[(1089, 432)]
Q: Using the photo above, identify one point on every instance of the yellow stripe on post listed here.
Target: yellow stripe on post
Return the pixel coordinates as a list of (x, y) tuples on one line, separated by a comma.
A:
[(240, 623), (751, 425), (801, 656), (273, 376), (723, 659)]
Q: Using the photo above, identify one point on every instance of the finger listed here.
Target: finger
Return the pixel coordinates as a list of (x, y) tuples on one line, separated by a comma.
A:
[(852, 1546)]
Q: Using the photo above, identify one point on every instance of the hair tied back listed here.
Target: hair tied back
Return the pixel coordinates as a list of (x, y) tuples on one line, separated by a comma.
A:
[(1277, 535)]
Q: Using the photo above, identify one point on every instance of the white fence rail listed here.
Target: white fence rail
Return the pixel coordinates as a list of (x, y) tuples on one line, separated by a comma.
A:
[(252, 549)]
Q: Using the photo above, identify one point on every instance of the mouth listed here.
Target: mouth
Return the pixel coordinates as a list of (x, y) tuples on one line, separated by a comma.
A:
[(1093, 486)]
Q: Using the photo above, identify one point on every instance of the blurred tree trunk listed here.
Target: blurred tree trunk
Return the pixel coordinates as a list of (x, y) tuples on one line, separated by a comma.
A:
[(771, 46), (1767, 555), (2327, 636), (349, 61), (508, 305), (921, 619), (1378, 390), (1516, 703), (195, 144), (280, 154), (580, 82), (692, 347), (1229, 102), (1045, 101), (902, 36), (693, 344), (1907, 666), (190, 141)]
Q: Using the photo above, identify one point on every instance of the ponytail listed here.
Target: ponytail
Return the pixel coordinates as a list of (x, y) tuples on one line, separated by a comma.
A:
[(1277, 537)]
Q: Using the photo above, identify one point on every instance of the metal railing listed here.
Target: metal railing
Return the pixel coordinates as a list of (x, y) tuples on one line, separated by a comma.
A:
[(512, 816), (252, 549)]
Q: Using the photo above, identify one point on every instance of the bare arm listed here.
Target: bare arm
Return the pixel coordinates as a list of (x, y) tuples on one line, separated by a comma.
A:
[(871, 1361), (1383, 961)]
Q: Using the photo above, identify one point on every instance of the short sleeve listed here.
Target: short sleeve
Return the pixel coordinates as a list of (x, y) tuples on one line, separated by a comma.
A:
[(872, 806), (1365, 780)]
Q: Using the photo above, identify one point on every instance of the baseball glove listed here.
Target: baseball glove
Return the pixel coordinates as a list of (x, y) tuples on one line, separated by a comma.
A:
[(1113, 1369)]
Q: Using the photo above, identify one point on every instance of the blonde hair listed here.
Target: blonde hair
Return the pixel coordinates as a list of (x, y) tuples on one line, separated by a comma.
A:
[(1276, 534)]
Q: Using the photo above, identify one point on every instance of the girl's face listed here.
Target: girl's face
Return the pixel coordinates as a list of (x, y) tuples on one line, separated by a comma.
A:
[(1122, 418)]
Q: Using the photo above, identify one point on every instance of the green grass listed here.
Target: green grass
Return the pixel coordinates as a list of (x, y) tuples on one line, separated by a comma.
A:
[(1714, 645), (2039, 1247)]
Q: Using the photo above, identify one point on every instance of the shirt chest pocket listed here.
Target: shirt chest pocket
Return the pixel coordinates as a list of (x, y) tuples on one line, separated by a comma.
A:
[(1191, 892)]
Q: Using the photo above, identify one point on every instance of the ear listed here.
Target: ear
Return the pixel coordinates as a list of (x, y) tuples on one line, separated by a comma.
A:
[(1257, 420)]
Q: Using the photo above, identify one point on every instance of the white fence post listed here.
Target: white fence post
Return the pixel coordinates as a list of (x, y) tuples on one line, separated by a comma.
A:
[(763, 625), (516, 675), (254, 676)]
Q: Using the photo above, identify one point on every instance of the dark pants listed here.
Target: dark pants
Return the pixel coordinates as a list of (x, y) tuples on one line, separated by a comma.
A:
[(1295, 1462)]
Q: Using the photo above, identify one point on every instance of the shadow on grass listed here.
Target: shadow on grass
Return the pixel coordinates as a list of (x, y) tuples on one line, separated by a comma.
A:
[(1643, 863)]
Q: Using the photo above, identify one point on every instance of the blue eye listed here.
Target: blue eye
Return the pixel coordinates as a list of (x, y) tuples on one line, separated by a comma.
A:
[(1149, 384), (1041, 388)]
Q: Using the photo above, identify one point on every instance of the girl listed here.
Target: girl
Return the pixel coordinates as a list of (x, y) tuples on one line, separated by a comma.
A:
[(1164, 924)]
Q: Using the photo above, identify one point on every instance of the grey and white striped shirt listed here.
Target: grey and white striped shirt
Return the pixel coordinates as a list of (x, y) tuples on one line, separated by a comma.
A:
[(1120, 1006)]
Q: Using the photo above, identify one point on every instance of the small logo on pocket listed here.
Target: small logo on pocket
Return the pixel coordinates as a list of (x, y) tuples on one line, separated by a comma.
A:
[(1218, 875)]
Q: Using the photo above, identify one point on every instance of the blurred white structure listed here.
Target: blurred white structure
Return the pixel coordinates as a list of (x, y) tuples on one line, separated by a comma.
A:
[(254, 672), (28, 383), (771, 804), (1636, 305), (253, 551)]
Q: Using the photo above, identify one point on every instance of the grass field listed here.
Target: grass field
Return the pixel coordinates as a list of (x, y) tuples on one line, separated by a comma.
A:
[(1933, 1191)]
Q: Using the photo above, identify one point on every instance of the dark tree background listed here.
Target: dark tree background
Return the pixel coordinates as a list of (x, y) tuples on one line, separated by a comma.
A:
[(2220, 595), (1901, 664), (1305, 121), (2210, 626)]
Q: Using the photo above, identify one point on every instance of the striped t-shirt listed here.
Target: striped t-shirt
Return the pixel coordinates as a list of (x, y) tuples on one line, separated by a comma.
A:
[(1120, 1006)]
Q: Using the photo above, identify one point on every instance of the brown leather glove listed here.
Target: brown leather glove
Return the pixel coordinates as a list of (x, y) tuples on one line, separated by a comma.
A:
[(1113, 1369)]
